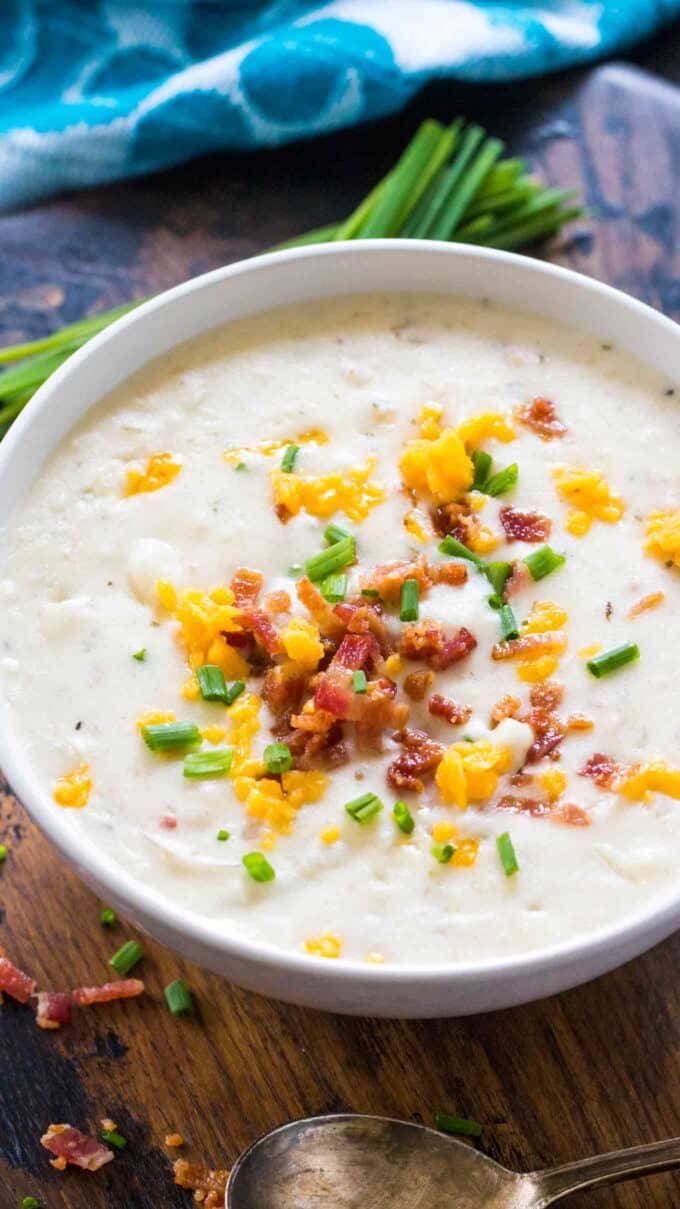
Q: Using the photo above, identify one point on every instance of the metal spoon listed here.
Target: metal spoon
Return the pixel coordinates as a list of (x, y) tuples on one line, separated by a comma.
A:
[(362, 1162)]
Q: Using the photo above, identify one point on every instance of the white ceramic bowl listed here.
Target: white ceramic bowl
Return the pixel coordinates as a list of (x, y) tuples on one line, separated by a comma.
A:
[(241, 289)]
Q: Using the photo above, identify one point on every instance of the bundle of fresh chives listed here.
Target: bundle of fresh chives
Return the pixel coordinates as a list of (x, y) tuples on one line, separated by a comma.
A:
[(450, 183)]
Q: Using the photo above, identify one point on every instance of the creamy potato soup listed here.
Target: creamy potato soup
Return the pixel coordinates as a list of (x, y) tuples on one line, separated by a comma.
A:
[(354, 628)]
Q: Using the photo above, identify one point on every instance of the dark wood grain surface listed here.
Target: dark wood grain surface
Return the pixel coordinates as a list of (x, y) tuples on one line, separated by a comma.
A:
[(596, 1068)]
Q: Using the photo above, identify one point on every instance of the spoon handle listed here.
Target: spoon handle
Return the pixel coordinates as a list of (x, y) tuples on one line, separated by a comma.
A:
[(558, 1182)]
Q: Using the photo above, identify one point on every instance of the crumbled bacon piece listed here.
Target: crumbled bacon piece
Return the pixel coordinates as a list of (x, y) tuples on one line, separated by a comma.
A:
[(536, 807), (422, 639), (319, 609), (14, 982), (75, 1147), (53, 1009), (209, 1187), (455, 519), (283, 690), (375, 707), (260, 626), (277, 602), (524, 526), (603, 770), (579, 722), (354, 651), (549, 735), (570, 814), (519, 578), (546, 695), (521, 780), (315, 721), (454, 574), (420, 755), (648, 602), (506, 707), (527, 644), (389, 578), (416, 684), (168, 822), (541, 416), (366, 618), (446, 707), (549, 730), (333, 693), (246, 586), (124, 988), (454, 649)]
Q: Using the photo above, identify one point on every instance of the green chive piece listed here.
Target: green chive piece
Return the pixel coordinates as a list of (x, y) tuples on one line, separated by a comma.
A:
[(277, 758), (211, 682), (295, 569), (234, 691), (107, 917), (179, 998), (460, 1125), (335, 558), (543, 561), (258, 867), (333, 588), (503, 481), (408, 607), (610, 661), (482, 463), (170, 736), (334, 533), (359, 681), (215, 763), (370, 593), (507, 854), (140, 656), (442, 852), (31, 1202), (223, 835), (289, 458), (240, 466), (3, 853), (403, 817), (451, 545), (127, 956), (365, 808), (509, 627), (113, 1138), (498, 574)]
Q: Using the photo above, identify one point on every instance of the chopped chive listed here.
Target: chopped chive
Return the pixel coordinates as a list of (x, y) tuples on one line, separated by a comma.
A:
[(222, 835), (408, 606), (258, 867), (451, 545), (507, 854), (334, 588), (502, 481), (442, 852), (211, 682), (214, 763), (365, 808), (403, 817), (289, 458), (460, 1125), (509, 627), (370, 593), (277, 758), (359, 681), (107, 917), (127, 956), (31, 1202), (3, 853), (140, 656), (335, 558), (179, 998), (610, 661), (170, 736), (495, 602), (235, 689), (498, 574), (113, 1138), (334, 533), (543, 561), (482, 463), (240, 466), (295, 569)]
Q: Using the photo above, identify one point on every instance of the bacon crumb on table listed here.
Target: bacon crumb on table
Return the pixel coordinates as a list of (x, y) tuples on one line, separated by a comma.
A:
[(53, 1009), (70, 1145), (209, 1187), (14, 982), (174, 1140), (108, 992)]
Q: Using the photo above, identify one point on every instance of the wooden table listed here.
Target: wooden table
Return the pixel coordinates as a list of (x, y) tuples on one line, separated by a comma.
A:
[(593, 1069)]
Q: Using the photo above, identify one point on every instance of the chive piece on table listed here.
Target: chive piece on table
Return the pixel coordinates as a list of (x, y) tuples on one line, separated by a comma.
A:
[(140, 656), (334, 533), (179, 998), (543, 561), (482, 463), (460, 1125), (359, 681), (509, 627), (170, 736), (451, 545), (213, 763), (335, 558), (289, 458), (403, 817), (502, 481), (3, 853), (498, 574), (277, 758), (408, 606), (610, 661), (127, 956), (506, 852), (365, 808), (257, 865), (107, 917), (114, 1138), (222, 835), (211, 682), (31, 1202), (235, 689), (443, 852), (334, 588)]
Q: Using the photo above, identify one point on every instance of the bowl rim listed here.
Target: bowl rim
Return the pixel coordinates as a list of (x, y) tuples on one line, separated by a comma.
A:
[(139, 900)]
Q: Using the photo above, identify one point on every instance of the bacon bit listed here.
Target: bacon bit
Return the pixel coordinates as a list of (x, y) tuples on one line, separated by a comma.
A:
[(452, 574), (277, 602), (505, 708), (519, 578), (546, 696), (375, 708), (570, 814), (521, 780), (109, 1123), (445, 707), (535, 807), (168, 822), (603, 770), (608, 610), (455, 649), (209, 1187), (420, 755), (647, 602), (579, 722), (389, 578), (314, 721), (283, 689), (366, 618), (524, 526), (416, 684), (334, 694), (529, 644), (173, 1140), (549, 735), (14, 982), (354, 651), (541, 416), (454, 519), (246, 586), (319, 609), (422, 640), (53, 1009), (125, 988), (75, 1147), (58, 1164), (262, 629)]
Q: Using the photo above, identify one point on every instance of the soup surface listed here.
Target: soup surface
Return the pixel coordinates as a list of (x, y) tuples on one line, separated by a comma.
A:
[(410, 724)]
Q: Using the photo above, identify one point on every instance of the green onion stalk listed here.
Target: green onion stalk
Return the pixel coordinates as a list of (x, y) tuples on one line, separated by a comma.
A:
[(450, 183)]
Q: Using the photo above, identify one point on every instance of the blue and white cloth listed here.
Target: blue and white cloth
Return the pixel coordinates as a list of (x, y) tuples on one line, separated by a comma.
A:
[(95, 90)]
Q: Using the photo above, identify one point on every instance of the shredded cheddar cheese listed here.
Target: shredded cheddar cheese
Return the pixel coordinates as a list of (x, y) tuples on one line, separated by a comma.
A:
[(302, 643), (430, 421), (213, 734), (553, 782), (652, 601), (350, 491), (277, 802), (663, 536), (590, 496), (443, 832), (587, 652), (312, 436), (155, 717), (244, 723), (160, 470), (330, 835), (201, 618), (489, 425), (642, 780), (327, 945), (393, 664), (467, 851), (74, 788), (440, 468), (546, 617), (469, 772), (414, 525)]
